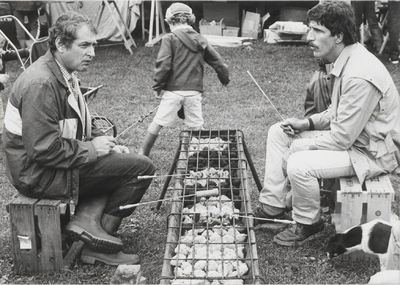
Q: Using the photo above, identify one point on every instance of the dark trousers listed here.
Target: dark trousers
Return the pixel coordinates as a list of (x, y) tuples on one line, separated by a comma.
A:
[(116, 175), (32, 25), (393, 27), (366, 9)]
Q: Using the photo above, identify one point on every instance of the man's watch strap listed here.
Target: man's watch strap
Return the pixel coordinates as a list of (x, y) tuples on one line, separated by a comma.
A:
[(311, 128)]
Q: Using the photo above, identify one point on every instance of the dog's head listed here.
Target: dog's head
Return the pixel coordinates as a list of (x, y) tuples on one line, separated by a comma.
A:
[(336, 246)]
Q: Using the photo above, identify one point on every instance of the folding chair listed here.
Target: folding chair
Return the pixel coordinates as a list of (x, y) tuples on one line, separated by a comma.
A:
[(38, 48), (101, 122), (383, 13), (13, 53)]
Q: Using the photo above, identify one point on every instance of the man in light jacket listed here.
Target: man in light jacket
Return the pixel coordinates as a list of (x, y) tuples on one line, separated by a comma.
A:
[(358, 135)]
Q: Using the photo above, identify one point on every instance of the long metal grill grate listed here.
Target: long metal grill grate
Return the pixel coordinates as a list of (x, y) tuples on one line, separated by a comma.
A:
[(211, 237)]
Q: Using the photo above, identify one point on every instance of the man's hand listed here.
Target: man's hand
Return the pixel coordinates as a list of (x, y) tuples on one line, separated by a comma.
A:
[(103, 145), (120, 149), (293, 126)]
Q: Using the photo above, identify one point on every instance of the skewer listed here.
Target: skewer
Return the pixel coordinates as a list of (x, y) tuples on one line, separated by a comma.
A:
[(128, 206), (269, 220), (265, 95), (204, 193), (272, 104), (173, 175), (137, 122), (92, 90)]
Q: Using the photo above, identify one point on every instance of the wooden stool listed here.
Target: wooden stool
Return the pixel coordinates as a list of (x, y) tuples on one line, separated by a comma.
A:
[(357, 205), (36, 235)]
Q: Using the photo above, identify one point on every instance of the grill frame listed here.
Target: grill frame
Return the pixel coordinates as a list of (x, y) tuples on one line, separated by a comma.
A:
[(174, 221)]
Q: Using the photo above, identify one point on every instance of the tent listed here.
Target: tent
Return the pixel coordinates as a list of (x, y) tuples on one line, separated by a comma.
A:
[(107, 28)]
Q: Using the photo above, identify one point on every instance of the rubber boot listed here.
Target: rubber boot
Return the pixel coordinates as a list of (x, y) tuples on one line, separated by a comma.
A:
[(87, 227), (148, 143), (90, 256), (110, 224)]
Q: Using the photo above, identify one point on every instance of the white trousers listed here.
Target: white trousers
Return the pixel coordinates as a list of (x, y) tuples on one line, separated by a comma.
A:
[(171, 102), (303, 168)]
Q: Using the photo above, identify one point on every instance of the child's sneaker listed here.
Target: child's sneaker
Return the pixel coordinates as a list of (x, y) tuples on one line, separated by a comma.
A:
[(394, 58)]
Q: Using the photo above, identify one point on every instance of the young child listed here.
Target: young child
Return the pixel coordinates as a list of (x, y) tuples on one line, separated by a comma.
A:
[(178, 74)]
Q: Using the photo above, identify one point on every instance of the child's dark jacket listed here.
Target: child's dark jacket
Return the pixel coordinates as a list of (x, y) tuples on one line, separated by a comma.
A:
[(180, 62)]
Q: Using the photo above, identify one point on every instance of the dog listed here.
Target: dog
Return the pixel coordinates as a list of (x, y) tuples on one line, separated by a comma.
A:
[(372, 237)]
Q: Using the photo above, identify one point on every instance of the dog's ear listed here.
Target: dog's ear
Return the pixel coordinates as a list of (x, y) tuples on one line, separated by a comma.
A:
[(335, 246), (330, 249), (335, 249), (340, 249)]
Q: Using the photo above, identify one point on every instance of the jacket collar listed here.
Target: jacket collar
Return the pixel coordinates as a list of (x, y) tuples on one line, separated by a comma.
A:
[(50, 60), (341, 61)]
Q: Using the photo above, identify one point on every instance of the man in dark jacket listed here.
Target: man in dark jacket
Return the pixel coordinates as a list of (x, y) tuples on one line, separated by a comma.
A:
[(53, 151), (319, 90)]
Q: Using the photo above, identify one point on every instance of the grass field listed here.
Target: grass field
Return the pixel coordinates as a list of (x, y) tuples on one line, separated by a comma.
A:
[(283, 72)]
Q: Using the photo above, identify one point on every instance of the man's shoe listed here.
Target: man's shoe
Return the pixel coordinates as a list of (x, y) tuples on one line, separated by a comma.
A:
[(262, 219), (394, 58), (298, 234)]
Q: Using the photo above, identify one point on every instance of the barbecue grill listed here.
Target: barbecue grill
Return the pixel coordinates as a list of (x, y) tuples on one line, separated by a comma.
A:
[(211, 237)]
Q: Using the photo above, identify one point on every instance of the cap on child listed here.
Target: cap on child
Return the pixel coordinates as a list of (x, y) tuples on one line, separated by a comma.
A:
[(177, 8)]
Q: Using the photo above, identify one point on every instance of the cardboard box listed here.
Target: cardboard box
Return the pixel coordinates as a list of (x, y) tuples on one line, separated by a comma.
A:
[(288, 30), (251, 25), (271, 37), (218, 10), (289, 27), (230, 31), (211, 28)]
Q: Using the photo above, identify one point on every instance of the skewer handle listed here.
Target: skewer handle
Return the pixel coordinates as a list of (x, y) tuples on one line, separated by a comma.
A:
[(128, 206), (207, 193), (284, 221), (146, 176), (156, 176), (270, 220)]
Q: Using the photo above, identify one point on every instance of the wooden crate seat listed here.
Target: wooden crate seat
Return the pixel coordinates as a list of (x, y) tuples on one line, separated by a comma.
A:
[(357, 204), (36, 235)]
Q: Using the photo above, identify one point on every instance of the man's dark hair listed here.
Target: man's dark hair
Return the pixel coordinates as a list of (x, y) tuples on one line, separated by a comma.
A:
[(337, 17), (65, 28)]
